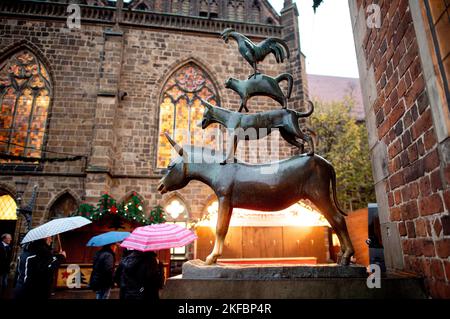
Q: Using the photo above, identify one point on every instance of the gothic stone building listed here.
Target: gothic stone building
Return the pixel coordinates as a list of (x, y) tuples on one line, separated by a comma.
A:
[(108, 89), (404, 66)]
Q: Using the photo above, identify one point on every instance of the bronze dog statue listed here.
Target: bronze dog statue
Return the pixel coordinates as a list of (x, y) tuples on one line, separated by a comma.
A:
[(243, 185), (261, 85), (285, 120)]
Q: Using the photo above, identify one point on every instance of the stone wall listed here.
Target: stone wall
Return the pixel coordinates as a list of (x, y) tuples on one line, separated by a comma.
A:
[(90, 67), (410, 160)]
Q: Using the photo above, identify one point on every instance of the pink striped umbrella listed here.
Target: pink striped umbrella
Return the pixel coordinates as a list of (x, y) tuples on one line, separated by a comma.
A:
[(158, 236)]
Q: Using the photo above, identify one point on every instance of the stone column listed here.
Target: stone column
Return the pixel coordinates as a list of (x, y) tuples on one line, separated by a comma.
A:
[(295, 66), (100, 165)]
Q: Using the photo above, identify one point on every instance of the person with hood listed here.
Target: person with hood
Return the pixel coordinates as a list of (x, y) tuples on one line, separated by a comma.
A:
[(140, 276), (102, 271), (35, 270)]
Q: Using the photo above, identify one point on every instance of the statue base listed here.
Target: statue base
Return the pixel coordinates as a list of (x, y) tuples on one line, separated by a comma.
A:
[(197, 269), (199, 281)]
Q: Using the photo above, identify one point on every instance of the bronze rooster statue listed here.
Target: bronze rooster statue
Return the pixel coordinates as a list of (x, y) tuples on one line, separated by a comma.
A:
[(254, 53)]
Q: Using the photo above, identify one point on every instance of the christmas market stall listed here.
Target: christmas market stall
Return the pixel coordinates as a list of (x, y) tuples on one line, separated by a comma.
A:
[(108, 215)]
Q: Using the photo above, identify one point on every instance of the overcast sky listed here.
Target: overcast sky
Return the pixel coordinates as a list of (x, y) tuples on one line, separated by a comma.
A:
[(326, 37)]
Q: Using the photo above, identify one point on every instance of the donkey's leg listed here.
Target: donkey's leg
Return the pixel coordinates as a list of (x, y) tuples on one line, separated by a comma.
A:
[(318, 191), (338, 234), (348, 247), (337, 221), (223, 221)]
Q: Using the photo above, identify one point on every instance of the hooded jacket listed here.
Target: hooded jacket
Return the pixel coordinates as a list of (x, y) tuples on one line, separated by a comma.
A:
[(103, 269), (35, 269), (140, 276)]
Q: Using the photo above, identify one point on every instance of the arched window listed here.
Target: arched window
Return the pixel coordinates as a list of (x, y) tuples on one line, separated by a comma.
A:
[(185, 7), (181, 110), (144, 5), (7, 208), (177, 213), (231, 9), (25, 91), (255, 12), (64, 206), (213, 9), (240, 11), (203, 8)]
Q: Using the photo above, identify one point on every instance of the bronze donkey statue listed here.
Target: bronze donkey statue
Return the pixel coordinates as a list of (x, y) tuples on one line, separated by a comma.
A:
[(242, 185), (261, 124), (261, 85)]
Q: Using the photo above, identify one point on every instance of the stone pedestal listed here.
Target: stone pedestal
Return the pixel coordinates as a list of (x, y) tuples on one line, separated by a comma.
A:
[(197, 269), (200, 281)]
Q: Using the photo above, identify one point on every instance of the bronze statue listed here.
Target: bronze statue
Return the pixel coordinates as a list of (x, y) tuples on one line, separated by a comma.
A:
[(242, 185), (261, 85), (285, 120), (254, 53)]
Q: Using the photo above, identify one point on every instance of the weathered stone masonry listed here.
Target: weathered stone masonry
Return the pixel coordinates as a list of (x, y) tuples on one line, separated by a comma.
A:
[(132, 51), (408, 124)]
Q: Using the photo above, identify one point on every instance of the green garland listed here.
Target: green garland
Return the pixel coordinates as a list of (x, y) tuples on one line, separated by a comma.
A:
[(132, 210)]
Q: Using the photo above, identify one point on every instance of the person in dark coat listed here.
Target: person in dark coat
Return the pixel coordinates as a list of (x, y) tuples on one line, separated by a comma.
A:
[(103, 272), (35, 270), (5, 261), (140, 276)]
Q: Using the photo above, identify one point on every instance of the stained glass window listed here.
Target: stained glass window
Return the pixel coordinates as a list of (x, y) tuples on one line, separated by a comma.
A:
[(7, 208), (25, 91), (181, 110)]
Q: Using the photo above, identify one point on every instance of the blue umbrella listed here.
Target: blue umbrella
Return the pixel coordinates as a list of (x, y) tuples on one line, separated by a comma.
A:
[(108, 238)]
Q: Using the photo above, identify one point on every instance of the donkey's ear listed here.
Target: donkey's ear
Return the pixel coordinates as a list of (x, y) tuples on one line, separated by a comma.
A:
[(207, 104), (174, 144)]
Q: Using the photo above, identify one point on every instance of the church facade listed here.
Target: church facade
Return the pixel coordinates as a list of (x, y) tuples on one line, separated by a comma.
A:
[(85, 102)]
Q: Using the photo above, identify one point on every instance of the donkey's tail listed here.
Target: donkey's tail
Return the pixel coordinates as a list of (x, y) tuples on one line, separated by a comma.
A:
[(286, 77), (333, 186), (307, 113)]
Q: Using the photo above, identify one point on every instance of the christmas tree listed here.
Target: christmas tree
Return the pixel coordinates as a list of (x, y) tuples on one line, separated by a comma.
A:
[(132, 210)]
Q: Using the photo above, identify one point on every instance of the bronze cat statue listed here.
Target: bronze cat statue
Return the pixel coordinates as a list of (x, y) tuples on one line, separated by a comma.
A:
[(261, 85)]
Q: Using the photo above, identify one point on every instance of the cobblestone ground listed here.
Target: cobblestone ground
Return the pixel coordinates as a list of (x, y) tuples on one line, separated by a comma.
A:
[(68, 294), (81, 294)]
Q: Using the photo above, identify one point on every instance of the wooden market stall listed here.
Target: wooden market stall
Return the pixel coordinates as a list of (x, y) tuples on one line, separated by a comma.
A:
[(297, 235)]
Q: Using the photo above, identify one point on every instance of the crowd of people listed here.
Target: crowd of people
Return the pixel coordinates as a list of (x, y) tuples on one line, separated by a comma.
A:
[(139, 275)]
